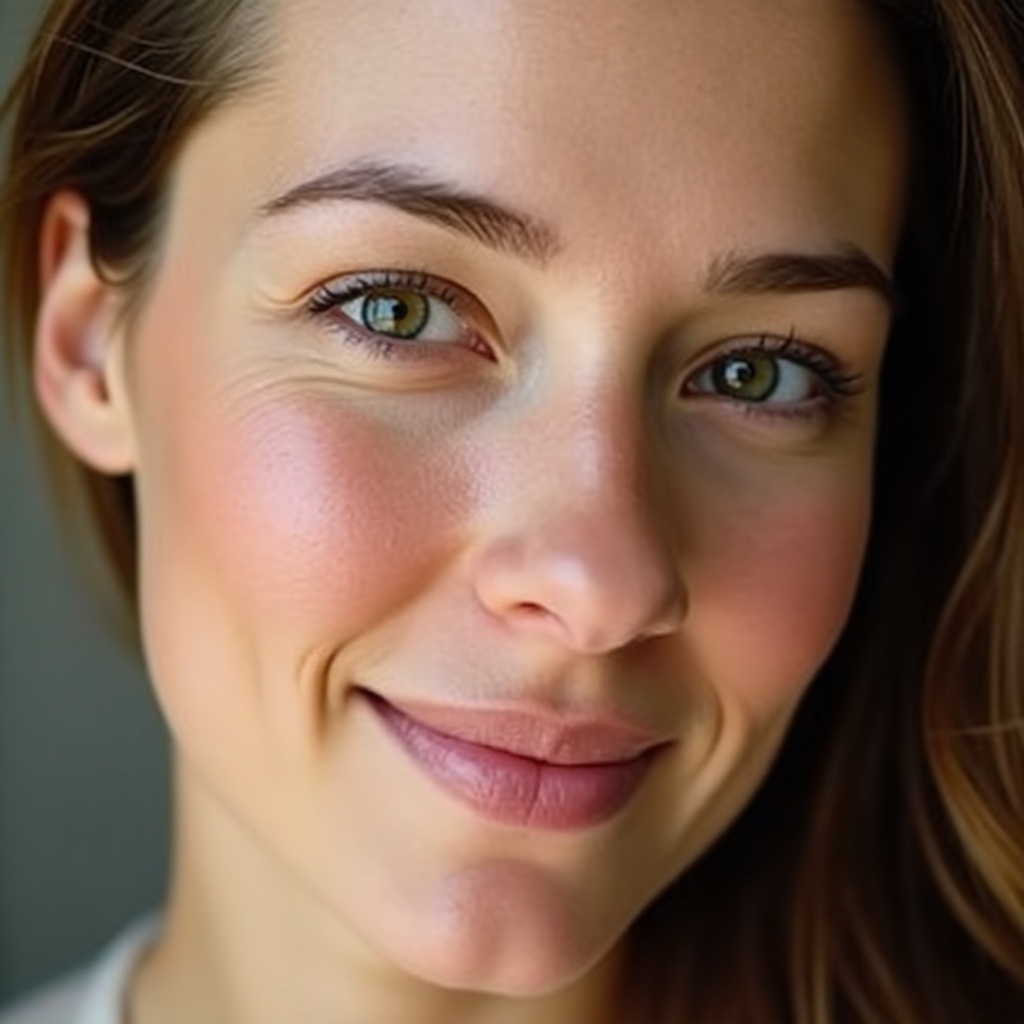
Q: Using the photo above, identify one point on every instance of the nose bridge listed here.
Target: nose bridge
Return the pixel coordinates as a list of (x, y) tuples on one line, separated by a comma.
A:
[(603, 470), (588, 554)]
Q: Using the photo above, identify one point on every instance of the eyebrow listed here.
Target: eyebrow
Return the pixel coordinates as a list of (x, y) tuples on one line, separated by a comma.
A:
[(411, 190), (846, 267)]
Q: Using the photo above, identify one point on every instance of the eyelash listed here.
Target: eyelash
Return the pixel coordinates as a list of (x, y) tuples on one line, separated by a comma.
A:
[(838, 384), (325, 305)]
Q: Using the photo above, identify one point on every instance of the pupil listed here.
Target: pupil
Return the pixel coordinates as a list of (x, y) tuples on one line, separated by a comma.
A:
[(750, 377), (399, 314), (738, 374)]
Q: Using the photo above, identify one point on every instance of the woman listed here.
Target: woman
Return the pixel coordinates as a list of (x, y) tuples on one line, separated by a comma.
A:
[(567, 464)]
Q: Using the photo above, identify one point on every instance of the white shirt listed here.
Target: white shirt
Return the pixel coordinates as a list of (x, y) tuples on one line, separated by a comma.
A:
[(91, 996)]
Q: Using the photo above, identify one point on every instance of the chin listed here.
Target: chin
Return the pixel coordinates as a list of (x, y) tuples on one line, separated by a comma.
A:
[(505, 930), (524, 974)]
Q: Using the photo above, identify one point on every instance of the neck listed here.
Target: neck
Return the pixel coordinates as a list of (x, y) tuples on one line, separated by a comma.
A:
[(244, 942)]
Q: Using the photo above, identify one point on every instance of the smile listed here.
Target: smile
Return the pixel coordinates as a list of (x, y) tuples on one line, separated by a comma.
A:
[(522, 769)]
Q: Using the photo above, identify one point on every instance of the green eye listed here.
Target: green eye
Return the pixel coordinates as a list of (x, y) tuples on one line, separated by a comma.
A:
[(396, 312), (748, 376)]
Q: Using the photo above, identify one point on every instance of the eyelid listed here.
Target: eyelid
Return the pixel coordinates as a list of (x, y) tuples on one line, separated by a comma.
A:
[(832, 370), (349, 286), (838, 382), (326, 300)]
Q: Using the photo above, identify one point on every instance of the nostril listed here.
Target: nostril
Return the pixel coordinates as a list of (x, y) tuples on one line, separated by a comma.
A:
[(531, 608), (531, 612)]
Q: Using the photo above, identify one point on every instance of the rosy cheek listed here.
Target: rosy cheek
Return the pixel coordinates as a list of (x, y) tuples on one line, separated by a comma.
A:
[(314, 516), (778, 593), (276, 526)]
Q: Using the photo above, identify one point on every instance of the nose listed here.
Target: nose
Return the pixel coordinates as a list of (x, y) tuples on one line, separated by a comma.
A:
[(587, 557)]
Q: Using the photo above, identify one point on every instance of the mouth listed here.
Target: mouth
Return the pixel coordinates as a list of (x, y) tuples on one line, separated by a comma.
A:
[(524, 769)]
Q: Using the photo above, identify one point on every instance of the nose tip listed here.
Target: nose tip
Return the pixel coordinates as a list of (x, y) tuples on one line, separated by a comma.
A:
[(594, 591)]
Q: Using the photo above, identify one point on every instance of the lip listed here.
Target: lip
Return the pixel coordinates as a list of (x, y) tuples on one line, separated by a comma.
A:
[(521, 768)]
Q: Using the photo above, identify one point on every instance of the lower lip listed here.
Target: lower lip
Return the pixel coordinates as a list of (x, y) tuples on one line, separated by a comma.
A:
[(513, 790)]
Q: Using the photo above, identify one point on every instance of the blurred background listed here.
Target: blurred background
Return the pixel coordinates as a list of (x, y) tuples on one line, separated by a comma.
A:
[(83, 756)]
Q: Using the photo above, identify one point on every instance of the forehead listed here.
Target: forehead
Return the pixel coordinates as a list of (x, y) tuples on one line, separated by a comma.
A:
[(605, 117)]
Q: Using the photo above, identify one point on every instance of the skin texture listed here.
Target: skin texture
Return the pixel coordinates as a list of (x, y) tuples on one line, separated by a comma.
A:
[(551, 507)]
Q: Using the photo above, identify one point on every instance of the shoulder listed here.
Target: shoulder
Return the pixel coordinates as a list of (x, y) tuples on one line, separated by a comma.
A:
[(58, 1003), (91, 996)]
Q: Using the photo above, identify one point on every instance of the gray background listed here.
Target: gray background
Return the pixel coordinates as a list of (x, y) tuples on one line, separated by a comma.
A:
[(83, 806)]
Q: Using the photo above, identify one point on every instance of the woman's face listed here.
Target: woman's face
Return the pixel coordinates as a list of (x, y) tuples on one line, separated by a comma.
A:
[(503, 412)]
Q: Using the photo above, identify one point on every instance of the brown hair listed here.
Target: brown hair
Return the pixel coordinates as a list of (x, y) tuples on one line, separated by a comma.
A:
[(104, 102), (879, 873)]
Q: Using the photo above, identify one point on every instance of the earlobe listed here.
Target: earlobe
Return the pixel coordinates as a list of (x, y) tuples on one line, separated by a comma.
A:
[(79, 376)]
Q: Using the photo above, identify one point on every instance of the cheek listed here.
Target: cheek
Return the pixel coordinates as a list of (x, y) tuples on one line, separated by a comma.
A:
[(774, 584), (308, 516), (274, 531)]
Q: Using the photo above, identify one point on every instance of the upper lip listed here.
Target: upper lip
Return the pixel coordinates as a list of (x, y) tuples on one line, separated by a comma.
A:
[(549, 735)]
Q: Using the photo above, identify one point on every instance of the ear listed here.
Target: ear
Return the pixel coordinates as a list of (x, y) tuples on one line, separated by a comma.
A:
[(79, 344)]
